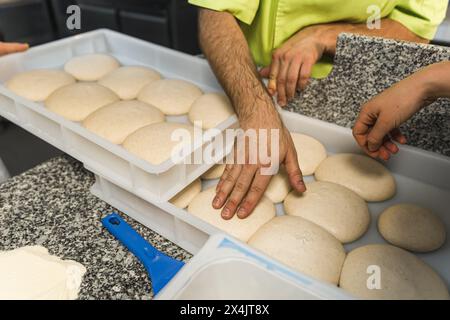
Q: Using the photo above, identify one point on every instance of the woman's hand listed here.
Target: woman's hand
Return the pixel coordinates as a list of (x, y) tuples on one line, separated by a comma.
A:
[(12, 47)]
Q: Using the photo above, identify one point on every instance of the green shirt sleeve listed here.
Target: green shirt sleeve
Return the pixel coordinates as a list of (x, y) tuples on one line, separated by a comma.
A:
[(422, 17), (244, 10)]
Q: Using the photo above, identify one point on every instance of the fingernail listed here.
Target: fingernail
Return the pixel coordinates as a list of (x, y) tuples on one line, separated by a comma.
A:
[(216, 201), (241, 212), (226, 212)]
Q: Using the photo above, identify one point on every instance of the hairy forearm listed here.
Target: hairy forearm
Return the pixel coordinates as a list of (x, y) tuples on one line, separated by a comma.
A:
[(227, 51)]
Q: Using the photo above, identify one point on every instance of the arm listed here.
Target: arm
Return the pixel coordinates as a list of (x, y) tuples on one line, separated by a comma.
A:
[(242, 185), (377, 127)]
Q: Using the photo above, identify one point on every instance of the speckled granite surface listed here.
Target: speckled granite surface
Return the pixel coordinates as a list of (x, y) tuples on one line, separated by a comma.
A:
[(364, 67), (51, 206)]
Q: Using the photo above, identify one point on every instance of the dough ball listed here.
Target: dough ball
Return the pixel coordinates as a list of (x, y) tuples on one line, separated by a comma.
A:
[(126, 82), (91, 67), (278, 187), (310, 152), (118, 120), (154, 143), (214, 173), (185, 196), (401, 275), (335, 208), (31, 273), (242, 229), (211, 109), (172, 96), (412, 227), (302, 245), (77, 101), (37, 85), (364, 175)]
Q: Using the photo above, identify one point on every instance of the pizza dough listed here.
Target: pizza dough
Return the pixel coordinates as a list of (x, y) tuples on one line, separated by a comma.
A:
[(401, 275), (185, 196), (172, 96), (118, 120), (154, 143), (302, 245), (210, 110), (278, 187), (31, 273), (37, 85), (91, 67), (77, 101), (242, 229), (128, 81), (335, 208), (214, 173), (310, 152), (365, 176), (412, 227)]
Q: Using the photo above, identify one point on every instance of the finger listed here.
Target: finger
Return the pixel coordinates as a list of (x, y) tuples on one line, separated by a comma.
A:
[(384, 154), (390, 146), (293, 169), (281, 82), (376, 135), (305, 74), (257, 189), (292, 77), (265, 72), (240, 190), (224, 175), (362, 127), (398, 136), (7, 48), (273, 74), (227, 185)]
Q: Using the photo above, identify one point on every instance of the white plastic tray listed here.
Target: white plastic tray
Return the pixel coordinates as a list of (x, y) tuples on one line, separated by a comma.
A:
[(422, 178), (154, 183)]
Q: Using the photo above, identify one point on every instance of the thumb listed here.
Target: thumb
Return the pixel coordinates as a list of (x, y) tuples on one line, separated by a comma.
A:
[(377, 134), (6, 48), (293, 170), (265, 72)]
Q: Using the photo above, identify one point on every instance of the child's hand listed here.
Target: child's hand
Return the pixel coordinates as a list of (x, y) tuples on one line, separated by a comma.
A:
[(11, 47)]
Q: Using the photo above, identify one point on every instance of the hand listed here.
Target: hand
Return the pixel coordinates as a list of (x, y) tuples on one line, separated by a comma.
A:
[(292, 63), (12, 47), (377, 128), (242, 185)]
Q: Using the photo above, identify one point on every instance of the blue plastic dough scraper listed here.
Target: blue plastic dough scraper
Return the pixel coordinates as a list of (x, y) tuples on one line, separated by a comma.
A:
[(160, 267)]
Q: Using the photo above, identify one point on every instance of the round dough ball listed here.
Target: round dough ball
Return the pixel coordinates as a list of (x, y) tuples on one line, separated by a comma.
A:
[(37, 85), (401, 275), (335, 208), (242, 229), (412, 227), (302, 245), (118, 120), (365, 176), (278, 187), (211, 109), (91, 67), (185, 196), (172, 96), (77, 101), (214, 173), (310, 152), (154, 143), (128, 81)]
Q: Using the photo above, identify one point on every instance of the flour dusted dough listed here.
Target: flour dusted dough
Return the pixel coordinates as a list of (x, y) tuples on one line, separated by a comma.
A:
[(242, 229), (154, 143), (118, 120), (172, 96), (302, 245), (77, 101), (412, 227), (185, 196), (365, 176), (128, 81), (214, 173), (91, 67), (37, 85), (310, 152), (335, 208), (211, 109), (402, 275), (31, 273), (278, 187)]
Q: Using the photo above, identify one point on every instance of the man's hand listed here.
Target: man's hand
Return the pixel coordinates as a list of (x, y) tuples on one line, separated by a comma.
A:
[(12, 47), (292, 64), (242, 185)]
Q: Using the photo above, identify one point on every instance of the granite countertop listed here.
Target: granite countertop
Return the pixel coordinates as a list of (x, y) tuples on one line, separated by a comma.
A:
[(51, 205)]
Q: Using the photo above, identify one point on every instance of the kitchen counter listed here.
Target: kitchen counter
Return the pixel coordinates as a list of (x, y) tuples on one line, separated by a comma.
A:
[(51, 205)]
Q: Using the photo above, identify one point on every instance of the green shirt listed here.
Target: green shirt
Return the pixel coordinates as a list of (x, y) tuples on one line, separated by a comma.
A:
[(267, 24)]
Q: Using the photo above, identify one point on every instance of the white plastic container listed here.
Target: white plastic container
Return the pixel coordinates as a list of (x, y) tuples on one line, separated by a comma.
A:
[(152, 182)]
